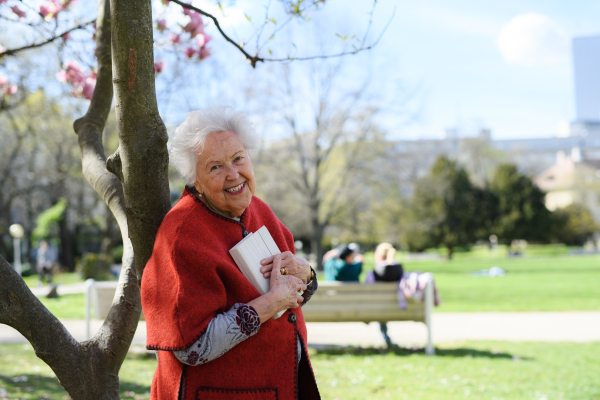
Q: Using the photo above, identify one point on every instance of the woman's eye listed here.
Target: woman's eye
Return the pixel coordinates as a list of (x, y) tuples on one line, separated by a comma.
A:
[(214, 167)]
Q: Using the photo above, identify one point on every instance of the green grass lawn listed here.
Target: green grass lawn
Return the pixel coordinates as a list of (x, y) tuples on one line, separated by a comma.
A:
[(69, 306), (533, 283), (469, 370), (63, 278)]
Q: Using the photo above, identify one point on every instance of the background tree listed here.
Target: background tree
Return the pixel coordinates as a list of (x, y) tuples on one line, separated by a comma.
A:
[(444, 209), (521, 212), (575, 224), (326, 155)]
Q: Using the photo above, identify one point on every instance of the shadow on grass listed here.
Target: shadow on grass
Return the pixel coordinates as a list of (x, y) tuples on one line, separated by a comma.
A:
[(402, 351), (37, 386), (29, 385)]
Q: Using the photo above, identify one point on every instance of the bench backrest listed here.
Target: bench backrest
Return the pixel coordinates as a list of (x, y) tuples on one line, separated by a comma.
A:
[(333, 302), (349, 301)]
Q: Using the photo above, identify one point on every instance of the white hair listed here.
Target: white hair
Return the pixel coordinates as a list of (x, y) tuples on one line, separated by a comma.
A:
[(190, 136)]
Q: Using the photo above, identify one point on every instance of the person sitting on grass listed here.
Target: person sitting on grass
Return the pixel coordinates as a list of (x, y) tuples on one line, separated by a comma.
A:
[(346, 266)]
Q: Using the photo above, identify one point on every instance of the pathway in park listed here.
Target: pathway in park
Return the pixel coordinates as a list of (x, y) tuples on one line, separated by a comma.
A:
[(447, 328), (571, 326)]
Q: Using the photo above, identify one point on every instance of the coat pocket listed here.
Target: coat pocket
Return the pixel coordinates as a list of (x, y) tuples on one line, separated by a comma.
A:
[(210, 393)]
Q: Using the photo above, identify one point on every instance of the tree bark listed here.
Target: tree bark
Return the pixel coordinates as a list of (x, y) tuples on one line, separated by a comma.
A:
[(87, 370), (142, 160)]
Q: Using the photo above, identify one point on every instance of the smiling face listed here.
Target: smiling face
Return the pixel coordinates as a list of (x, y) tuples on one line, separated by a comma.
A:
[(224, 175)]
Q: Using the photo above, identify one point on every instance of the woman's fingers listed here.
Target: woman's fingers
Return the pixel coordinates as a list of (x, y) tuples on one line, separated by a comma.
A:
[(276, 270), (267, 260)]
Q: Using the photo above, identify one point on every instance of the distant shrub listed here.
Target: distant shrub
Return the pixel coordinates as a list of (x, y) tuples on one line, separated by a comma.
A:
[(95, 266), (117, 254)]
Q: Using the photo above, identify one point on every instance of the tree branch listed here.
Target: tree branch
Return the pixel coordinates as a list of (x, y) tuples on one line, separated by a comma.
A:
[(20, 309), (12, 52), (252, 60), (116, 334)]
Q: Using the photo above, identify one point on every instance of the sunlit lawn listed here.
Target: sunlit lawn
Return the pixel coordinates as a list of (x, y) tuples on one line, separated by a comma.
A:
[(533, 283), (469, 370), (69, 306), (63, 278)]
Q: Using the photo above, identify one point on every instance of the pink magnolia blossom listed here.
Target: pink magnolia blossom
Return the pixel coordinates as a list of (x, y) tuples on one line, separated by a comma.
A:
[(203, 39), (204, 52), (71, 73), (161, 25), (66, 36), (195, 26), (159, 66), (187, 11), (16, 10), (189, 52), (88, 88), (3, 1), (49, 9), (9, 89), (81, 85), (175, 38), (3, 80)]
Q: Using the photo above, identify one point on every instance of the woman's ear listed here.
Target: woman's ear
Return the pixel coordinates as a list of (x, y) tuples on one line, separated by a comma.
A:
[(198, 187)]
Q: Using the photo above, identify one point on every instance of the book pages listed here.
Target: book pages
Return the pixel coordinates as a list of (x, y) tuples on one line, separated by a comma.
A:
[(248, 254)]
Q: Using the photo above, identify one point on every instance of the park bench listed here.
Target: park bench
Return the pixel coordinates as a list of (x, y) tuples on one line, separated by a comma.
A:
[(376, 302), (333, 302)]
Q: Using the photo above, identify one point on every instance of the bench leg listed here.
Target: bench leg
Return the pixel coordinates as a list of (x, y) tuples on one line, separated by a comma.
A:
[(383, 328), (429, 349)]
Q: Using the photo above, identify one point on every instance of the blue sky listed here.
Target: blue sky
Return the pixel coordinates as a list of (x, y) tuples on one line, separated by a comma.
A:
[(504, 65)]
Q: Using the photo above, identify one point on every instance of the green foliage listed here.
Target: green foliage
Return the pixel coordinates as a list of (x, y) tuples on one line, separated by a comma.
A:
[(445, 208), (95, 266), (47, 222), (520, 212), (575, 224), (117, 254)]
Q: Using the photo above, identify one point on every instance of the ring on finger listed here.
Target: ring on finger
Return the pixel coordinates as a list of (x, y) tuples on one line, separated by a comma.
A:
[(284, 271)]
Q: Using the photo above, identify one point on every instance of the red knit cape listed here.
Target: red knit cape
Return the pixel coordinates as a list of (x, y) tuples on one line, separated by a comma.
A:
[(191, 278)]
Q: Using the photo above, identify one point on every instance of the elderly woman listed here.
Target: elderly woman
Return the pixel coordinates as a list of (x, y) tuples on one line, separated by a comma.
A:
[(214, 332)]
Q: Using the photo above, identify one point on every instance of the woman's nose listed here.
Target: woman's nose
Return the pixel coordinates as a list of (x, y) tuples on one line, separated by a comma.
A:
[(232, 172)]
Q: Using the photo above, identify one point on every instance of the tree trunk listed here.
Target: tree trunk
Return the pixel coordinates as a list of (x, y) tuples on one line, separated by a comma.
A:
[(89, 370), (141, 161), (316, 244)]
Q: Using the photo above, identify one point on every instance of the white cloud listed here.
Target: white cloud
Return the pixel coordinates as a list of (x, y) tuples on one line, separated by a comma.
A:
[(533, 39), (456, 21)]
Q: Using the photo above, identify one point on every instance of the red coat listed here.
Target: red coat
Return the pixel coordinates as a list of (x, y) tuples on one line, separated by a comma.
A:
[(191, 278)]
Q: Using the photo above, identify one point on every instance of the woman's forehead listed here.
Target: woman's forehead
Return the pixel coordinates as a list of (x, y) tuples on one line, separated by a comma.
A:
[(221, 144)]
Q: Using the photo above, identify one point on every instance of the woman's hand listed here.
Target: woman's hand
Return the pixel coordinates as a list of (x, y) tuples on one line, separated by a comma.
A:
[(294, 265), (283, 294)]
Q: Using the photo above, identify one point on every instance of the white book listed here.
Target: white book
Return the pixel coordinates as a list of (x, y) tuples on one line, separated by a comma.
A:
[(248, 254)]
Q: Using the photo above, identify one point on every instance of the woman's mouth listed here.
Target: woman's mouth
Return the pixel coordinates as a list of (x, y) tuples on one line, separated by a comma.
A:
[(236, 189)]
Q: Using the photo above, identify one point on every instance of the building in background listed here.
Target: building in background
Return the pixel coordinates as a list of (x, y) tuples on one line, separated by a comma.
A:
[(579, 143), (570, 181)]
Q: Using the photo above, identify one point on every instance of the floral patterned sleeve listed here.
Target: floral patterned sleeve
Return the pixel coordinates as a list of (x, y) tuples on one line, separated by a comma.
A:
[(311, 288), (224, 332)]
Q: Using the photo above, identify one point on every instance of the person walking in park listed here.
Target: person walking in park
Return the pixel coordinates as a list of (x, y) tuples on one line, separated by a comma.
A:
[(45, 259), (213, 331)]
